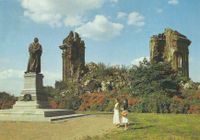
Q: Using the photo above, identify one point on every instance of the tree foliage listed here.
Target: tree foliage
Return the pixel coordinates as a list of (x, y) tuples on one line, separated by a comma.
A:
[(6, 100), (148, 87), (154, 78)]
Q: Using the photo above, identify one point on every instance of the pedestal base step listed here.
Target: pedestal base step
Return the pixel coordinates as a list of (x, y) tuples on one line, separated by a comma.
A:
[(30, 105), (66, 117), (46, 115)]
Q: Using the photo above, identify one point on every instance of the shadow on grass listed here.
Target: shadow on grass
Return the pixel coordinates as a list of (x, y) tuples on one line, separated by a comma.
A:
[(135, 126), (134, 123), (142, 127), (130, 124)]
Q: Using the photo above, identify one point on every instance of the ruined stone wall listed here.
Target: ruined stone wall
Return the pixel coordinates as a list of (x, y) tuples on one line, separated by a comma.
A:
[(157, 49), (73, 56), (171, 47)]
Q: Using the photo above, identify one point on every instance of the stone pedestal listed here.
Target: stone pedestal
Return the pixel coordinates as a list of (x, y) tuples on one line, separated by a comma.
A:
[(32, 95), (33, 84), (32, 104)]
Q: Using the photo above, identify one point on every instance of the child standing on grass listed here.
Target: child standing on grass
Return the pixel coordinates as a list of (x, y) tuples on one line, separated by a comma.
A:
[(116, 119), (125, 114)]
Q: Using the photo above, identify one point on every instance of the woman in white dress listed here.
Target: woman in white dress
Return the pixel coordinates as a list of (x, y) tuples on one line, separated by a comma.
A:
[(124, 114), (116, 118)]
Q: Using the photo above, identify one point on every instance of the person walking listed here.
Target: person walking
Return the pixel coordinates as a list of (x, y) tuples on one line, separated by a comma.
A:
[(116, 117), (124, 114)]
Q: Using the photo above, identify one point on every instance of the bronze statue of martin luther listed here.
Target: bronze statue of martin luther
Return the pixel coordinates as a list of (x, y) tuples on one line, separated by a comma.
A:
[(35, 52)]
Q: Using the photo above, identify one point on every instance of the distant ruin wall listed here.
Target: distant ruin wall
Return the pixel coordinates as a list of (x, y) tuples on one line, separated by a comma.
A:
[(171, 47), (73, 55)]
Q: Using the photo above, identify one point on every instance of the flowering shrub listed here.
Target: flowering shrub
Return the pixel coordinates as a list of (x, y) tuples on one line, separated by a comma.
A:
[(179, 105), (194, 109), (93, 101), (53, 104), (133, 101)]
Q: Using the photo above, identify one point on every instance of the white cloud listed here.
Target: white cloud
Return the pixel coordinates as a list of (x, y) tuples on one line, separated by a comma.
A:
[(73, 21), (173, 2), (100, 29), (138, 60), (11, 86), (136, 19), (54, 13), (10, 73), (51, 77), (121, 15), (11, 81), (159, 10), (53, 20)]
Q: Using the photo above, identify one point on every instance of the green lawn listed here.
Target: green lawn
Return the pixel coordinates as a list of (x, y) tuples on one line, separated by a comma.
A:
[(157, 127)]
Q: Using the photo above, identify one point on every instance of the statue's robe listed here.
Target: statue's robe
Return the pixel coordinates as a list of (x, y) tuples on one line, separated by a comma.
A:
[(34, 63)]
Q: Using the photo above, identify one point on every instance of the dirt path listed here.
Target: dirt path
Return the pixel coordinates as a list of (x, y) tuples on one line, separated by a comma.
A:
[(70, 130)]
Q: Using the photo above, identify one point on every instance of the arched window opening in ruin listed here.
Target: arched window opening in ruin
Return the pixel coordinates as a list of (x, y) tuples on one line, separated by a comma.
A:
[(180, 61)]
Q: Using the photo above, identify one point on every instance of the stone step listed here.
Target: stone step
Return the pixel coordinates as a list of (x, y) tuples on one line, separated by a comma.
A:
[(57, 112), (36, 117), (37, 114), (66, 117), (30, 104), (42, 112)]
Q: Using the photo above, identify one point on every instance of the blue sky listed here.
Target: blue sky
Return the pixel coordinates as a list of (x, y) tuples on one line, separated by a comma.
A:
[(114, 31)]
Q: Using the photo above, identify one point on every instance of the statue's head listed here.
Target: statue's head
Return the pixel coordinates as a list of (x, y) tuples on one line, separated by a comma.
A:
[(36, 40)]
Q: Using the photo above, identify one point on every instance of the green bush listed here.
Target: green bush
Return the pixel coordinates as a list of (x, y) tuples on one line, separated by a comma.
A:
[(73, 103), (154, 103), (150, 78), (179, 105), (110, 105)]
